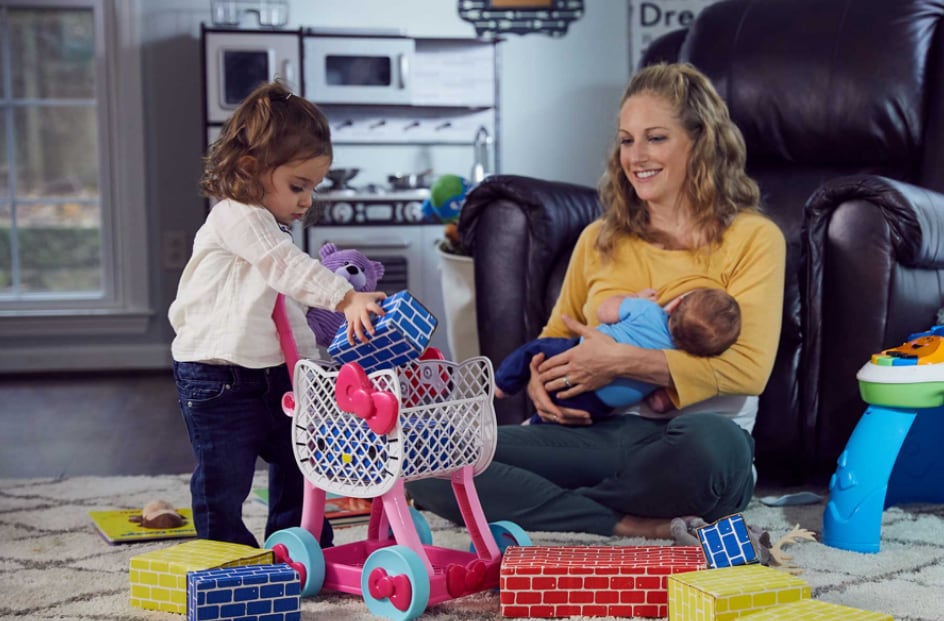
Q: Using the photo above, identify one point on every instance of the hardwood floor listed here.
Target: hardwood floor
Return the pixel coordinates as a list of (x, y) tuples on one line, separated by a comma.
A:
[(117, 423)]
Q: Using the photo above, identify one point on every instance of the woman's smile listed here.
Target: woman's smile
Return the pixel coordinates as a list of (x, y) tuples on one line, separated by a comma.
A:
[(647, 174), (654, 150)]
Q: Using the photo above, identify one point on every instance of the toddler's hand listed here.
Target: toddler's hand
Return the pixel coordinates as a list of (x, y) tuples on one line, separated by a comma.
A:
[(359, 308)]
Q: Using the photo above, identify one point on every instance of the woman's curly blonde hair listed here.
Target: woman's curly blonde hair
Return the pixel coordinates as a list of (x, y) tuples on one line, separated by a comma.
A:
[(716, 184), (272, 126)]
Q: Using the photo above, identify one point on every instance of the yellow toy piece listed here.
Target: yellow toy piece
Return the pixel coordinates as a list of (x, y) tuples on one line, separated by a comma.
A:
[(927, 349), (159, 578), (731, 592)]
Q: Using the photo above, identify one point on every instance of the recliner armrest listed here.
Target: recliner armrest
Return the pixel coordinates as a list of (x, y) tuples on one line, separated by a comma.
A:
[(551, 216), (874, 274), (521, 232), (556, 212), (914, 215)]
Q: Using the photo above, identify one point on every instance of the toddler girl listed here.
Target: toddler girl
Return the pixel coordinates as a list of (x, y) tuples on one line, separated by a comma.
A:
[(228, 365)]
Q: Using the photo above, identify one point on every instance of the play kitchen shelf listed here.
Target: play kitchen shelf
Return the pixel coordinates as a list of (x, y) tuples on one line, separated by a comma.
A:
[(415, 90), (375, 87)]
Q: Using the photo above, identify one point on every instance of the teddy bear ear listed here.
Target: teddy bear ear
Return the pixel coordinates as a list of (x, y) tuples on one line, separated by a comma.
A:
[(378, 269), (327, 249)]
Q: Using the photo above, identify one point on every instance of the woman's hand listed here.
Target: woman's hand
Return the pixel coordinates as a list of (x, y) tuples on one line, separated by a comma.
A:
[(547, 409), (587, 366), (597, 360), (359, 308)]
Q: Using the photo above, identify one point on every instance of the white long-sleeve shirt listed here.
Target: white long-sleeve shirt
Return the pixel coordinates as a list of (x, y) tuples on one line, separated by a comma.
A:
[(241, 260)]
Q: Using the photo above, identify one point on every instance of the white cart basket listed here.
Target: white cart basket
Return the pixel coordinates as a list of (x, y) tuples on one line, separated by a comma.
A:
[(443, 420)]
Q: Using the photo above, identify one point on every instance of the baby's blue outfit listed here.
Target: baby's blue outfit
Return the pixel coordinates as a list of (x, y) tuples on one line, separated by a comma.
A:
[(642, 323)]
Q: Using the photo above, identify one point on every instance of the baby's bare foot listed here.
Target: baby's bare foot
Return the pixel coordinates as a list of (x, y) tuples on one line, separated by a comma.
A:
[(660, 402)]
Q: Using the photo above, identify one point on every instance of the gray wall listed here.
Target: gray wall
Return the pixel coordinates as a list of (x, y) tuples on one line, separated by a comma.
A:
[(558, 109)]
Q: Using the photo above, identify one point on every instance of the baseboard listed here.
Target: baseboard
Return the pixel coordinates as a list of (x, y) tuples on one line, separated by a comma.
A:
[(85, 358)]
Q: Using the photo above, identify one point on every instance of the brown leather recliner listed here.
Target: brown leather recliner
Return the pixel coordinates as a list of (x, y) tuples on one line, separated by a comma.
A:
[(841, 104)]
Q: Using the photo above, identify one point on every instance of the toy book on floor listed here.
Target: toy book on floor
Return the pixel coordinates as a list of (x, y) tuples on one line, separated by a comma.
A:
[(340, 510), (115, 527)]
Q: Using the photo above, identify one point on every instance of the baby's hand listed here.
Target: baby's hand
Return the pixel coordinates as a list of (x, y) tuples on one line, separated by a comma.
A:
[(649, 294), (608, 311), (359, 308)]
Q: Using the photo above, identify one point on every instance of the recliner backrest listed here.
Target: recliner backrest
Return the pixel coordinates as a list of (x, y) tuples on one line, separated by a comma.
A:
[(849, 86)]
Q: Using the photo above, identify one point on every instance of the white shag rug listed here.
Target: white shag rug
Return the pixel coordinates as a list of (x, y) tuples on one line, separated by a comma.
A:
[(54, 564)]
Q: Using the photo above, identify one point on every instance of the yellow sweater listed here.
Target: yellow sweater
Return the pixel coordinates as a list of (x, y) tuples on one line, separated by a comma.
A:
[(749, 264)]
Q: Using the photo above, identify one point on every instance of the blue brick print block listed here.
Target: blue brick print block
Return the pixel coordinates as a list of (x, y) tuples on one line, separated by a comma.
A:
[(401, 335), (726, 543), (251, 593)]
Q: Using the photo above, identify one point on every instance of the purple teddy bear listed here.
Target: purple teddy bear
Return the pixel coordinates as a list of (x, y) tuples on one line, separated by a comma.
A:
[(360, 271)]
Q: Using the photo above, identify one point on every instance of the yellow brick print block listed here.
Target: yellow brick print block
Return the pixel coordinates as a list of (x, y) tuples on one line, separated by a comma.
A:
[(730, 592), (815, 610), (159, 579)]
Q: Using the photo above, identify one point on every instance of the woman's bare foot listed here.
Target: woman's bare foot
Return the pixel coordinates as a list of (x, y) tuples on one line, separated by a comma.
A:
[(650, 528), (679, 529)]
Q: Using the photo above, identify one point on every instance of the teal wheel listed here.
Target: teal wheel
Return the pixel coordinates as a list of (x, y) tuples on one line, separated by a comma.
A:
[(395, 584), (423, 530), (507, 534), (304, 554)]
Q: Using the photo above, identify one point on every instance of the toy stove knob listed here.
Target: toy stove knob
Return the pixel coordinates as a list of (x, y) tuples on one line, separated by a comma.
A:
[(342, 213)]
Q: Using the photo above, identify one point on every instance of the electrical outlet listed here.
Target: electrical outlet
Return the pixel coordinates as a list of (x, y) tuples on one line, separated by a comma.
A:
[(175, 249)]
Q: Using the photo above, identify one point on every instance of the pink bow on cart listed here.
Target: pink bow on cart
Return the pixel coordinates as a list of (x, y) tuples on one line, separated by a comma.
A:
[(355, 394)]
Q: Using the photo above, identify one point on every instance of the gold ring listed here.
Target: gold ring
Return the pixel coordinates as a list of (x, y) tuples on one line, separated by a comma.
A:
[(567, 383)]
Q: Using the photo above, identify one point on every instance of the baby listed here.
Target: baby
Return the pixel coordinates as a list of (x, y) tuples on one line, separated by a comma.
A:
[(703, 322)]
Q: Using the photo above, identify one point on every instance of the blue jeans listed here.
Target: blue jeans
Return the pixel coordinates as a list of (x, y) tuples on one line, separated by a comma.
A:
[(234, 416)]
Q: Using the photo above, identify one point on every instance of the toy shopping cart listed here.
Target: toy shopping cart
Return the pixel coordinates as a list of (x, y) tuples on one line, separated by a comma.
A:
[(364, 436)]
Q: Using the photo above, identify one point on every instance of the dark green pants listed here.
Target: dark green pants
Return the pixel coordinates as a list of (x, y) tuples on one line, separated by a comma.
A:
[(558, 478)]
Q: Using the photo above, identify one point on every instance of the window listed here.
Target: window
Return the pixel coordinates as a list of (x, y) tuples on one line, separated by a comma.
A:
[(71, 186)]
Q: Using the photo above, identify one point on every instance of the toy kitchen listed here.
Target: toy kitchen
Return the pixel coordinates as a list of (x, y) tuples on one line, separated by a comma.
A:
[(403, 111)]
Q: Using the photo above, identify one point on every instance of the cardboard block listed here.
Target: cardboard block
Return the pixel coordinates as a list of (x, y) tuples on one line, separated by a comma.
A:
[(815, 610), (730, 592), (247, 593), (726, 542), (402, 333), (159, 578), (593, 581)]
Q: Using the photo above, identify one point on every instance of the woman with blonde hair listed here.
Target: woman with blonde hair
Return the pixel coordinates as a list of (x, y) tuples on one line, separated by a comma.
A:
[(680, 211)]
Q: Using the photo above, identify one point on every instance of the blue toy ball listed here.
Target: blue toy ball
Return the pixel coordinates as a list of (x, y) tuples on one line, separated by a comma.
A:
[(446, 197)]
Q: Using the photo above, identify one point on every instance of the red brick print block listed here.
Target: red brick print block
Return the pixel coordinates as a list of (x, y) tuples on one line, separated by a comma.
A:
[(593, 581)]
